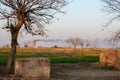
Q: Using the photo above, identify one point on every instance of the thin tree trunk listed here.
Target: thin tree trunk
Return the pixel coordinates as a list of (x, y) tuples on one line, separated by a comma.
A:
[(11, 56), (10, 60), (14, 36)]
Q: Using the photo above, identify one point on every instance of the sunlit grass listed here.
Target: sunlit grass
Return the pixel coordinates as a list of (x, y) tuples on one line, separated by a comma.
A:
[(61, 59), (33, 51), (56, 55)]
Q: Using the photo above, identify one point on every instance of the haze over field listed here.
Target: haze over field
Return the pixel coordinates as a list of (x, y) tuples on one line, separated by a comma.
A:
[(83, 19)]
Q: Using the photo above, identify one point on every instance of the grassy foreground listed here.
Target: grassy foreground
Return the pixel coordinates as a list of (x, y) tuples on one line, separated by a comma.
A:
[(56, 55)]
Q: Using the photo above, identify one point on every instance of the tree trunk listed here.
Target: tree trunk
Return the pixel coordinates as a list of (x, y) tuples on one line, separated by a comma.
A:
[(11, 56), (14, 36)]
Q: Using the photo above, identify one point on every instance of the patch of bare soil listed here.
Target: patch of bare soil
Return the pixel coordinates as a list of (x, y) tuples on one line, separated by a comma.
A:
[(82, 71), (2, 70), (79, 71)]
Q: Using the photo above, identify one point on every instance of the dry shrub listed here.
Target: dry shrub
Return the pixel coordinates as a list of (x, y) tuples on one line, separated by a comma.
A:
[(110, 58)]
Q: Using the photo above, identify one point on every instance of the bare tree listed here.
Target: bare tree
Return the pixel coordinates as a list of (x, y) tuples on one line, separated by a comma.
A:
[(75, 42), (87, 43), (112, 7), (115, 39), (31, 15)]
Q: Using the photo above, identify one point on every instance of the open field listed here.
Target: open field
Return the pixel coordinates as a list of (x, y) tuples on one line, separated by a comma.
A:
[(56, 55), (67, 63), (51, 51)]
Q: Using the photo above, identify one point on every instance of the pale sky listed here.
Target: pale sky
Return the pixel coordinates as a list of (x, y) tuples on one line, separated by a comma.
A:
[(83, 18)]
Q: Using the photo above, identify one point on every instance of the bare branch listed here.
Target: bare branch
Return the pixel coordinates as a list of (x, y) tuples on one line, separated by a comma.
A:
[(113, 8), (31, 12)]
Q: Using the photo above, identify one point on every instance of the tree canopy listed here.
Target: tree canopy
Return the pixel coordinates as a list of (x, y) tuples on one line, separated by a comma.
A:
[(33, 13)]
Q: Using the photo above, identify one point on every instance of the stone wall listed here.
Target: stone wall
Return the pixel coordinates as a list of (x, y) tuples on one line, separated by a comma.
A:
[(110, 58), (33, 68)]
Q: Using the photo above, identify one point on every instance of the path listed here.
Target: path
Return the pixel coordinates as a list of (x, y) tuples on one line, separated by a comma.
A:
[(82, 71)]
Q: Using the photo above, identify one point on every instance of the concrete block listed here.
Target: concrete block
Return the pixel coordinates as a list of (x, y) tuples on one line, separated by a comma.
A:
[(33, 68)]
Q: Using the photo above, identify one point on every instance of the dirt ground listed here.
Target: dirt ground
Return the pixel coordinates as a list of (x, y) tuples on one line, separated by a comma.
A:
[(82, 71), (79, 71)]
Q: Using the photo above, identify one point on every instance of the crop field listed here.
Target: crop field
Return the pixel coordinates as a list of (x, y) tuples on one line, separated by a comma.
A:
[(76, 64), (56, 55)]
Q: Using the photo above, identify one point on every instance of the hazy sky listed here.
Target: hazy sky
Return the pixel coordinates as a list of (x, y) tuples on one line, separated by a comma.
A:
[(83, 18)]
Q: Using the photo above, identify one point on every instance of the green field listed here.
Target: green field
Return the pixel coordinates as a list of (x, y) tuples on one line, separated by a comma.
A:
[(56, 55)]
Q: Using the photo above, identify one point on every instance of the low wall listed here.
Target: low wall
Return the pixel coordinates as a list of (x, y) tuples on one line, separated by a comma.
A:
[(33, 68)]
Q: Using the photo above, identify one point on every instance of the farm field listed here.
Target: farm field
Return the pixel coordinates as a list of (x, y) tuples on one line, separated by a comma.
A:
[(56, 55), (67, 63)]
